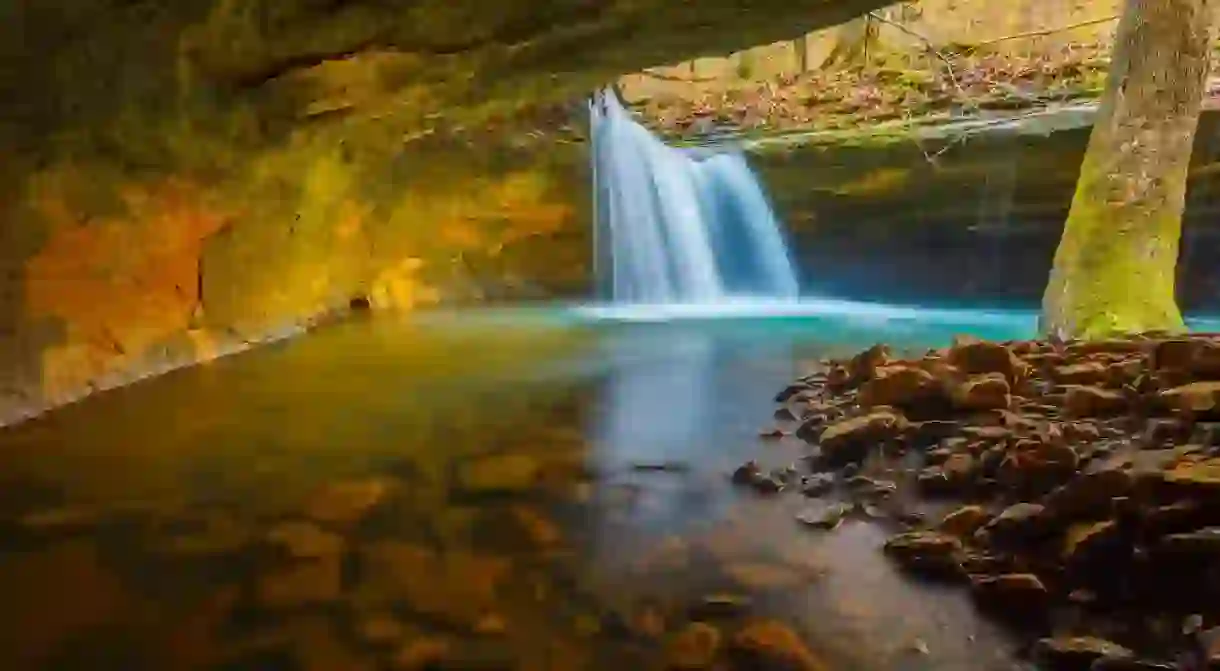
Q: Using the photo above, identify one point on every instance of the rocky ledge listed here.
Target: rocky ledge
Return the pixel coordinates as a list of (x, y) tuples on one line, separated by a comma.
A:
[(1081, 482)]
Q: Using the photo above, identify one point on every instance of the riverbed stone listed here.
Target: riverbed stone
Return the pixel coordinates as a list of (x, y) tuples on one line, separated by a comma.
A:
[(1077, 653), (771, 645), (929, 553), (304, 583), (347, 502), (990, 391), (852, 439), (454, 586), (305, 540), (499, 474), (694, 648), (987, 357), (1092, 401), (900, 387), (964, 521)]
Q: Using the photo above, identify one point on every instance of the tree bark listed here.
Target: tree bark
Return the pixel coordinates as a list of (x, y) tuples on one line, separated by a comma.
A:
[(1114, 269)]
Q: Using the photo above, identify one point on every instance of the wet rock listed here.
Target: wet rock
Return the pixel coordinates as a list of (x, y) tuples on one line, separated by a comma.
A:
[(784, 415), (792, 390), (1018, 594), (1193, 478), (1087, 542), (1086, 373), (1196, 399), (773, 646), (960, 469), (929, 553), (825, 517), (818, 484), (851, 440), (750, 474), (746, 473), (539, 530), (305, 540), (381, 630), (1017, 524), (499, 474), (346, 502), (1088, 494), (983, 392), (208, 534), (1086, 401), (864, 365), (900, 387), (964, 521), (1077, 653), (694, 648), (986, 357), (305, 583), (455, 587)]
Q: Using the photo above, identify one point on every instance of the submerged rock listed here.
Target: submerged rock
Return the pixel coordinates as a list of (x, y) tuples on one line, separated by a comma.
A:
[(348, 501), (772, 645), (694, 648), (1077, 653)]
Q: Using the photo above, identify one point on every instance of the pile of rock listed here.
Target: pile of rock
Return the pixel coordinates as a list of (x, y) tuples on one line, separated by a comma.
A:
[(1090, 473)]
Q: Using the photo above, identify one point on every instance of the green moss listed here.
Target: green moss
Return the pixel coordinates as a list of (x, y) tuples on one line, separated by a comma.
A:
[(1108, 277)]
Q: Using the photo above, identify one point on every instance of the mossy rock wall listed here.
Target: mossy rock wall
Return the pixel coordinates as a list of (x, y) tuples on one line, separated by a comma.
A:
[(876, 219), (182, 177)]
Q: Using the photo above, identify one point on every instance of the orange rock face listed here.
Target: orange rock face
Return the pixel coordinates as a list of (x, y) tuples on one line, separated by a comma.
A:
[(121, 284)]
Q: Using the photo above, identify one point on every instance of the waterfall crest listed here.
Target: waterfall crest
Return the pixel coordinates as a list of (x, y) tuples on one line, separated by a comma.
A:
[(676, 225)]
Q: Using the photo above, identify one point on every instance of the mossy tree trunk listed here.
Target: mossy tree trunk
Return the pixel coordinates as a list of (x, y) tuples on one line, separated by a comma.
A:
[(1114, 269)]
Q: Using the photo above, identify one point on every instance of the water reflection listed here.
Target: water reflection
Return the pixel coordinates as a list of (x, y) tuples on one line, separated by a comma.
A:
[(501, 453)]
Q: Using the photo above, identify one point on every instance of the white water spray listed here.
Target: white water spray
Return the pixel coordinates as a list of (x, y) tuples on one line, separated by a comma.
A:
[(679, 225)]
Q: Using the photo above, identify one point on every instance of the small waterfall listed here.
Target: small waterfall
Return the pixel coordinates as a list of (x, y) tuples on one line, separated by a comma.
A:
[(679, 225)]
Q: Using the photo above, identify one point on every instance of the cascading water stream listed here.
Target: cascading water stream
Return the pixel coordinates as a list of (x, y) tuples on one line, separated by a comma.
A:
[(675, 225)]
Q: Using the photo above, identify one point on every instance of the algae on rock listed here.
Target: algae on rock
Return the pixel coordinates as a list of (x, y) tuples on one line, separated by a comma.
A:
[(1114, 270)]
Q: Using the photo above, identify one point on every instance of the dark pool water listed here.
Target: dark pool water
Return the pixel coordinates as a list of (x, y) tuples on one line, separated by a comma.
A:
[(490, 481)]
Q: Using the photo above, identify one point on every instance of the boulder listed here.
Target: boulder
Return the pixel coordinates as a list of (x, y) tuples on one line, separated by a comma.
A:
[(900, 386), (1015, 594), (1194, 399), (1089, 401), (987, 357), (694, 648), (964, 521), (850, 440), (1076, 653), (1087, 373), (772, 645), (931, 553), (983, 392)]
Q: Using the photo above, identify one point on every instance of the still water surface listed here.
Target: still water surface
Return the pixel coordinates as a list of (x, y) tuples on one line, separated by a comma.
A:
[(543, 485)]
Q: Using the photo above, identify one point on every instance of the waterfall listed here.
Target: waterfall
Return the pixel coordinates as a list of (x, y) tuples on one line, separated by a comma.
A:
[(677, 225)]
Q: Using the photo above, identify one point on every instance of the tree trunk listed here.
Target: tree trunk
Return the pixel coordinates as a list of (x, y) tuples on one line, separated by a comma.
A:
[(1114, 268)]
